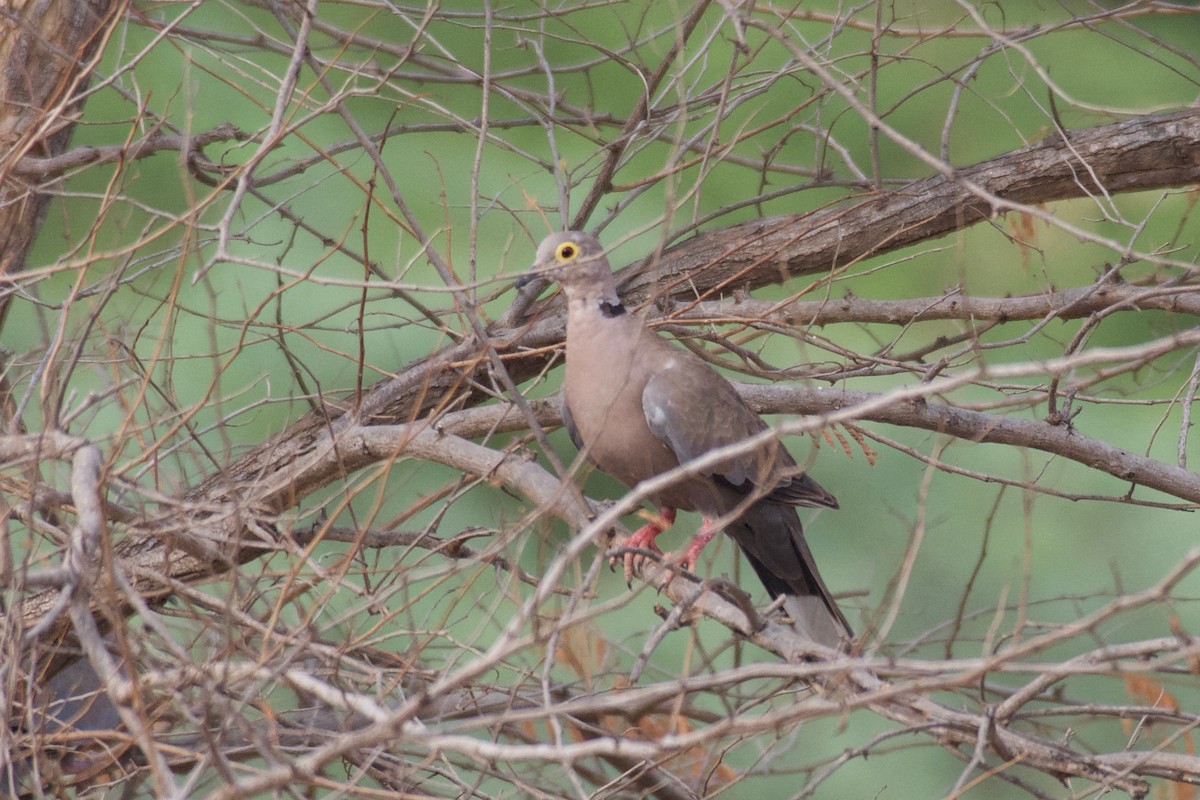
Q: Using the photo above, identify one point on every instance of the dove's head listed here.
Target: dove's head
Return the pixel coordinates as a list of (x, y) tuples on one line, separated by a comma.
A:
[(572, 259)]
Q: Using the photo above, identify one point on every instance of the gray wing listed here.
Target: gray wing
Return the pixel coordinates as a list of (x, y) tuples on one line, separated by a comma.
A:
[(692, 409)]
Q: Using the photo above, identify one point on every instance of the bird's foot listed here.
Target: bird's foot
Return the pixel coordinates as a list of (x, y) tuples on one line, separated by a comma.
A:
[(690, 555), (643, 538), (671, 562), (703, 536)]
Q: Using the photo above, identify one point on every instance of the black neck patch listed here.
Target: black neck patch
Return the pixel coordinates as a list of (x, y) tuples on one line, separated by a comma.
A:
[(608, 309)]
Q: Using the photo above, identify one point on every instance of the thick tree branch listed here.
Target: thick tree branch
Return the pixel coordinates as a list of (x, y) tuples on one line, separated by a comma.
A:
[(1134, 155)]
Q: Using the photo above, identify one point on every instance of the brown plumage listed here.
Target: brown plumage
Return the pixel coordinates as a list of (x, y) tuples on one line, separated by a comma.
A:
[(638, 406)]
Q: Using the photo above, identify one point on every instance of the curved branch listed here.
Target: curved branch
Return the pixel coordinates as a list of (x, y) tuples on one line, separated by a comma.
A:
[(54, 166)]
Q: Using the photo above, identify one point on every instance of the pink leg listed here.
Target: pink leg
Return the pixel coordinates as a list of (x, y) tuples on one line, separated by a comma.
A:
[(703, 536), (691, 554), (644, 538)]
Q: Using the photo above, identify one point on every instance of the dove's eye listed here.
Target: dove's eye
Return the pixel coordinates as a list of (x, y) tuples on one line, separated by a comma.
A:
[(566, 251)]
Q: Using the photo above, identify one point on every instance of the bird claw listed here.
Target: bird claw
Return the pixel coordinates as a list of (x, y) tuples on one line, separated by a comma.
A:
[(643, 538), (673, 560), (670, 562), (632, 559)]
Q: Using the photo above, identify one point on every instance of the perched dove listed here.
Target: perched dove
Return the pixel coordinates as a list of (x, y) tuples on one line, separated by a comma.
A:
[(638, 406)]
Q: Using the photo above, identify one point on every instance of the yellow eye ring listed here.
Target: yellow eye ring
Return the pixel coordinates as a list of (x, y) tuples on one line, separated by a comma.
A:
[(566, 251)]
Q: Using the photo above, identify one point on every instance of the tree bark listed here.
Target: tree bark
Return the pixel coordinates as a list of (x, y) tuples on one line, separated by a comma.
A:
[(47, 52)]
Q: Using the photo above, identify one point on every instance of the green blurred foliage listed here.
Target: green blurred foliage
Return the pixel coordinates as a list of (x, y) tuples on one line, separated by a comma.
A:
[(234, 349)]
